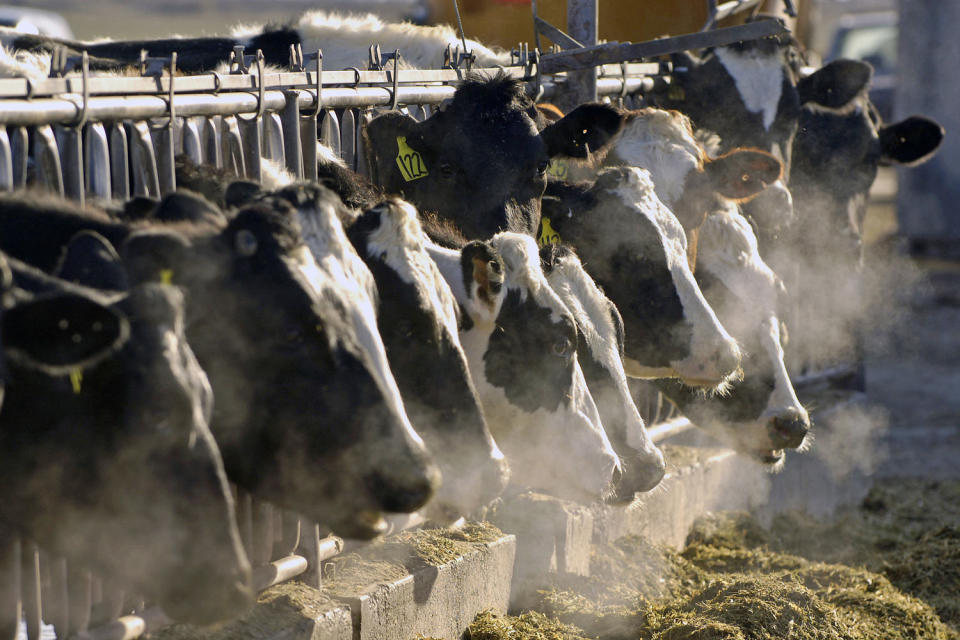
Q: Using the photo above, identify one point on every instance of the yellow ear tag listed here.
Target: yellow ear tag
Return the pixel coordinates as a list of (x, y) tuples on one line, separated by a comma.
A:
[(76, 380), (676, 93), (547, 233), (410, 162), (558, 169), (166, 276)]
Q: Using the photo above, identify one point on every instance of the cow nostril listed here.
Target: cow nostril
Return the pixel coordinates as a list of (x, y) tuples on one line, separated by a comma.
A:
[(788, 431), (616, 476)]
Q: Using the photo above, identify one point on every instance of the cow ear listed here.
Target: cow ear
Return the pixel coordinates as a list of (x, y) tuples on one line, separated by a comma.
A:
[(742, 173), (155, 256), (388, 137), (241, 192), (911, 141), (586, 129), (90, 260), (62, 332), (835, 84)]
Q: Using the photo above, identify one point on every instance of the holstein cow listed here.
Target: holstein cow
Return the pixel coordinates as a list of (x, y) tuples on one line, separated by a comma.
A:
[(409, 320), (746, 93), (344, 38), (760, 414), (110, 460), (841, 143), (685, 178), (521, 343), (303, 416), (636, 250), (600, 354), (481, 161)]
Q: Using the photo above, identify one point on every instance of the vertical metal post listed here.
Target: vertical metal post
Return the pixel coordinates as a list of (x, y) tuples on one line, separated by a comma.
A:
[(582, 27), (11, 609), (30, 580), (293, 151), (71, 158), (119, 162), (46, 155), (97, 161), (273, 137), (348, 138), (6, 162), (192, 147), (20, 149)]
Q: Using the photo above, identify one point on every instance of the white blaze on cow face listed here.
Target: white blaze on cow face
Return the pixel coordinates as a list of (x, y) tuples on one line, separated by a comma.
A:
[(758, 77), (602, 332), (714, 355), (747, 304), (524, 364)]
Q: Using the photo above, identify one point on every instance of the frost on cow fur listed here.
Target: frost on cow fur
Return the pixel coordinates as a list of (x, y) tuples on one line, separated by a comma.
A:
[(345, 40), (23, 64)]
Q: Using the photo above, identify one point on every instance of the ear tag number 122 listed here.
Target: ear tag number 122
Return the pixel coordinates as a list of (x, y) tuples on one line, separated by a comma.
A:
[(410, 161)]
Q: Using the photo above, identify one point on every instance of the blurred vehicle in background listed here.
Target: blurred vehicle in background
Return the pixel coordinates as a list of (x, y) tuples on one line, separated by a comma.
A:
[(35, 21), (863, 30)]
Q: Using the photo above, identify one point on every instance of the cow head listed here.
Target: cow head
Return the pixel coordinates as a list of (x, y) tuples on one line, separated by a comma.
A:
[(685, 178), (600, 354), (760, 414), (521, 343), (636, 250), (130, 482), (840, 144), (746, 93), (482, 160), (307, 413), (418, 321)]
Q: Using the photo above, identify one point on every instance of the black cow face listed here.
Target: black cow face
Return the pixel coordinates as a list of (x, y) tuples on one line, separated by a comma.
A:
[(301, 413), (482, 161), (840, 145), (112, 464)]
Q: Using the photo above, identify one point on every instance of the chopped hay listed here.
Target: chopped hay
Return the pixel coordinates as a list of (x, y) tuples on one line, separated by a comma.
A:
[(527, 626), (900, 555)]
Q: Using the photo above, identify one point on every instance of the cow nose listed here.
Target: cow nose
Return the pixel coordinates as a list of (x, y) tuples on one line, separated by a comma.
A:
[(641, 473), (404, 496), (788, 430)]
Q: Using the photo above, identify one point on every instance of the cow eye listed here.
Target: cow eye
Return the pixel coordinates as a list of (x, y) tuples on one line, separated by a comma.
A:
[(494, 266), (245, 243), (542, 167), (447, 171), (563, 347)]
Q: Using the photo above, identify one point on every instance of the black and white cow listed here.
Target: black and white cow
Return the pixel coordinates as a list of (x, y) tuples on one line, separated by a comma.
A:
[(600, 354), (760, 414), (409, 320), (840, 144), (521, 344), (109, 460), (481, 161), (303, 416), (745, 93), (636, 250), (344, 38), (685, 178)]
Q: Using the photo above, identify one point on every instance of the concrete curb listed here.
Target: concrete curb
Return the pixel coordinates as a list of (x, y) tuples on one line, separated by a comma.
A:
[(436, 601)]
